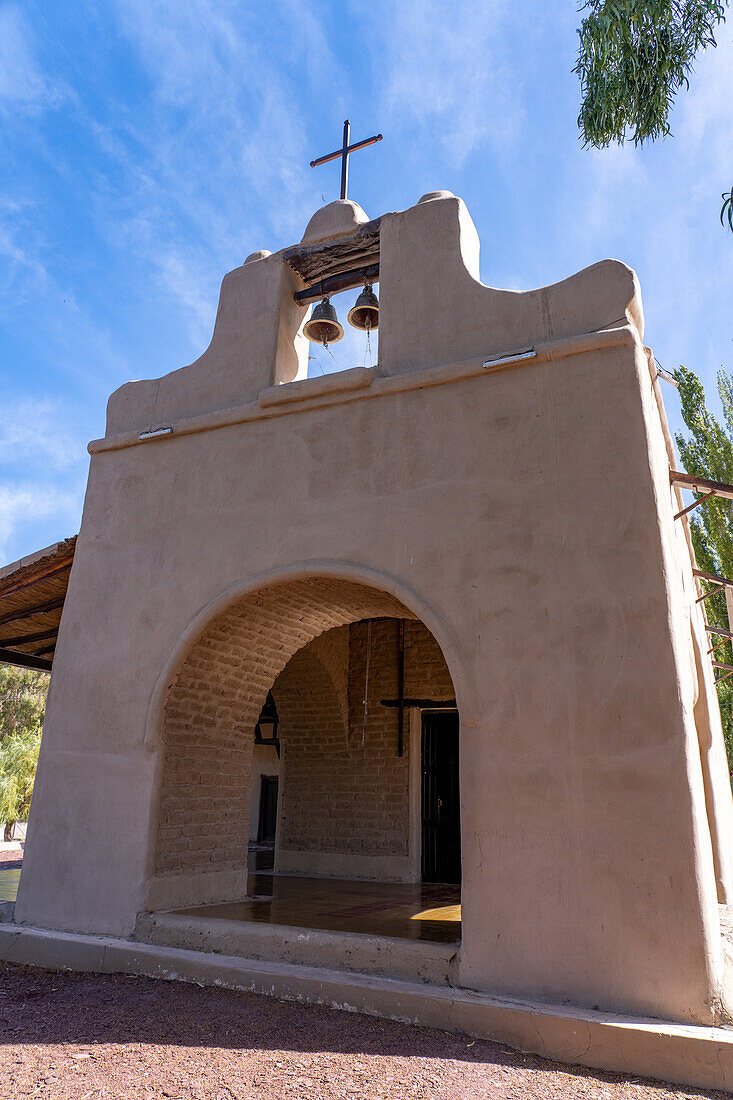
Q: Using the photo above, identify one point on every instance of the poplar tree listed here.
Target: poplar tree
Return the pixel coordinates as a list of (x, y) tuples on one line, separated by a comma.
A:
[(708, 452)]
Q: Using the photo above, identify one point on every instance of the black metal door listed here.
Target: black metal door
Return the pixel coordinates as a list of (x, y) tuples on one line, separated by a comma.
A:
[(441, 798), (268, 809)]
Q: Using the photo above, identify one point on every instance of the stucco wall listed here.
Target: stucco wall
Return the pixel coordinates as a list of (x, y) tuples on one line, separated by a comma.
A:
[(521, 510)]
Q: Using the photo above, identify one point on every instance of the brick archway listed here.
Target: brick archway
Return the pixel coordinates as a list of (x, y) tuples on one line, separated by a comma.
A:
[(312, 705), (210, 710)]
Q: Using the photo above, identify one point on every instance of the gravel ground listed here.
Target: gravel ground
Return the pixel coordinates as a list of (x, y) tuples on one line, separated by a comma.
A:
[(109, 1037)]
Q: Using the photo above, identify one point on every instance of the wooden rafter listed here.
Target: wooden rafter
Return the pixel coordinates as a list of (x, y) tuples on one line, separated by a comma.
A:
[(724, 581), (711, 592), (28, 639), (424, 704), (32, 596), (24, 660), (30, 612), (39, 575), (695, 504)]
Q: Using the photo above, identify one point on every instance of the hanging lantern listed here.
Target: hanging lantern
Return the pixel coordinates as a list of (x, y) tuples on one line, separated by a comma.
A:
[(364, 314), (267, 725), (323, 327)]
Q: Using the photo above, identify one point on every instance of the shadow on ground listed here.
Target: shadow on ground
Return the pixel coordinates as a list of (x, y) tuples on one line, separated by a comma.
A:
[(52, 1007)]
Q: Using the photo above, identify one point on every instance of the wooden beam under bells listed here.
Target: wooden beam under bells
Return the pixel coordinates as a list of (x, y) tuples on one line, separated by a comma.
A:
[(317, 262), (335, 283)]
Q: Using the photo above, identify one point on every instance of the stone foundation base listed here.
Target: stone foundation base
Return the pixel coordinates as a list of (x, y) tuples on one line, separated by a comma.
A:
[(696, 1056)]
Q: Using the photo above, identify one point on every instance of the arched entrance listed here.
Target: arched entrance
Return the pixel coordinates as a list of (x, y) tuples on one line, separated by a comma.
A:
[(358, 683)]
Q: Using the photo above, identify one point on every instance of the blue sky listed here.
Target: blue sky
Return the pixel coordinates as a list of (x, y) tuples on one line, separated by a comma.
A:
[(149, 145)]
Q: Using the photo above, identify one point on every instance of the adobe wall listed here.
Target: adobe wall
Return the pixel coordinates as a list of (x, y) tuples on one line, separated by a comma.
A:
[(520, 509)]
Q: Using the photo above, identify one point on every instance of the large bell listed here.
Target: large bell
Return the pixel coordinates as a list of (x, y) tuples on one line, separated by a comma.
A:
[(364, 313), (323, 327)]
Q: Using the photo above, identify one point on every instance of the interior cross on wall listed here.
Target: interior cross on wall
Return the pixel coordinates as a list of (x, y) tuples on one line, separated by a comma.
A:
[(343, 152)]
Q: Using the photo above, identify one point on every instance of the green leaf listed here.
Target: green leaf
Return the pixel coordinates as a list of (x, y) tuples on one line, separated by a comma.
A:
[(634, 56)]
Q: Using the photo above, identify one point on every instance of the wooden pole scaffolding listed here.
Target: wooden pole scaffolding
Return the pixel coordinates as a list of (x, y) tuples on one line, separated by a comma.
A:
[(702, 485), (725, 636)]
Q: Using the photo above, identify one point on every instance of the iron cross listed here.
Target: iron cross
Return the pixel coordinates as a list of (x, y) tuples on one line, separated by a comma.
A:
[(343, 152)]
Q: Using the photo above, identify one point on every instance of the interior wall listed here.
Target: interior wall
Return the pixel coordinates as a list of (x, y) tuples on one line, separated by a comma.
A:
[(346, 807), (203, 812)]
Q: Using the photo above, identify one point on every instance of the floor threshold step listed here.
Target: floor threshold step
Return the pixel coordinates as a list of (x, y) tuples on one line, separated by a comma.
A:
[(357, 952)]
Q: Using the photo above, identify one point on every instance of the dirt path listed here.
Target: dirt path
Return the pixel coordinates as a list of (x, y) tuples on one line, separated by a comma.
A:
[(110, 1037)]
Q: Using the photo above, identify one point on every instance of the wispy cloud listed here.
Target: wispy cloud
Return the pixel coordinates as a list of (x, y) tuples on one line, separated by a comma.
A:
[(25, 504), (216, 164), (447, 68), (19, 263), (36, 433), (43, 465), (22, 83)]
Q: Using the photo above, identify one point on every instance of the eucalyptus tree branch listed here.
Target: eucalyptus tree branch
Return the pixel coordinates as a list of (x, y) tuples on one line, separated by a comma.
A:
[(726, 212), (633, 58)]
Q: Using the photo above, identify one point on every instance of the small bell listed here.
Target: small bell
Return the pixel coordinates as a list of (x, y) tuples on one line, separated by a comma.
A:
[(364, 313), (322, 327)]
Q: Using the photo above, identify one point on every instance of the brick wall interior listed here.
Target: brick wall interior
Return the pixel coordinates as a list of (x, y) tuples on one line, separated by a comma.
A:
[(213, 706), (337, 794), (304, 640)]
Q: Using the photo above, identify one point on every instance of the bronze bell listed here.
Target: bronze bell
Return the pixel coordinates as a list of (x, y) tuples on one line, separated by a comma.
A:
[(364, 313), (323, 327)]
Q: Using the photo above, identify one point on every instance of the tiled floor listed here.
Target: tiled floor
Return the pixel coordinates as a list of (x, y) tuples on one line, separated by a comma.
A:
[(420, 911)]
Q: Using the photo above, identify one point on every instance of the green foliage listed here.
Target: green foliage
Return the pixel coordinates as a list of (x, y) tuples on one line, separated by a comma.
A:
[(708, 452), (633, 58), (22, 700), (22, 705), (18, 760)]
